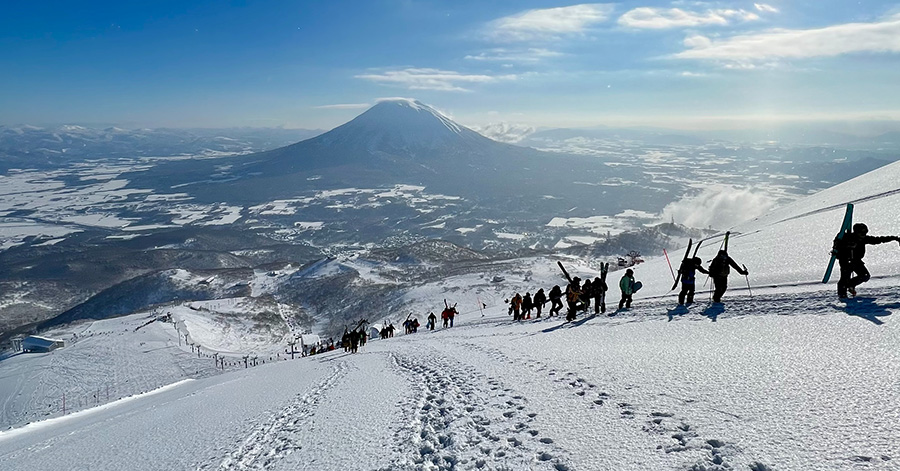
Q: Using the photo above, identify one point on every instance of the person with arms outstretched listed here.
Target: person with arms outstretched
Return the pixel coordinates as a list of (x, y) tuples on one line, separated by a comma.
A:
[(719, 269), (850, 250)]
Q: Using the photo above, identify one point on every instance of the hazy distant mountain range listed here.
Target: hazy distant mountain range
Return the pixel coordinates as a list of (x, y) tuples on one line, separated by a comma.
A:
[(43, 147)]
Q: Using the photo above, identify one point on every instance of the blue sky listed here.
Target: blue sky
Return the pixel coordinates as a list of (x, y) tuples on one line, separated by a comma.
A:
[(316, 64)]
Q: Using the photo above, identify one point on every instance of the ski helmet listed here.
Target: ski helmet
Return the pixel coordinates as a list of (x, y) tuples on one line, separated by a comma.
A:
[(629, 272), (861, 228)]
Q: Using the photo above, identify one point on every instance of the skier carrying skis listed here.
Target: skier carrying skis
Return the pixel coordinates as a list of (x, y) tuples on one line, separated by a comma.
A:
[(688, 269), (850, 250), (719, 269), (573, 294), (626, 284), (599, 287), (539, 300), (555, 300)]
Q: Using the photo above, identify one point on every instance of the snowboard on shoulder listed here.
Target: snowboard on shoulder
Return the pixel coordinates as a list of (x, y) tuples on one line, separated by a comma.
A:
[(846, 227)]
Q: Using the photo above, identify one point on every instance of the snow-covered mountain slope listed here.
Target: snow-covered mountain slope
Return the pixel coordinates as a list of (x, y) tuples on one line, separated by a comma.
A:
[(791, 245), (789, 379), (810, 388), (403, 129)]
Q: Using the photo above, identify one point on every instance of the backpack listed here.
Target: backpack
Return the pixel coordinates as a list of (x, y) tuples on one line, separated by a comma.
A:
[(843, 246), (719, 266)]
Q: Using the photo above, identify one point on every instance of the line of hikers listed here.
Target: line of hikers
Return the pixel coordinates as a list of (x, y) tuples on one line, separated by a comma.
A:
[(353, 339), (411, 324), (578, 298), (849, 251), (719, 269)]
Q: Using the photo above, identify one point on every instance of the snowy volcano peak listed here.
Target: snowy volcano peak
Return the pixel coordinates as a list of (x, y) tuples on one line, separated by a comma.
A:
[(402, 126), (398, 106)]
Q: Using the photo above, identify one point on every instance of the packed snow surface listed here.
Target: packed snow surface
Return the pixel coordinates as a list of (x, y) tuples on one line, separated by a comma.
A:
[(788, 381), (788, 378)]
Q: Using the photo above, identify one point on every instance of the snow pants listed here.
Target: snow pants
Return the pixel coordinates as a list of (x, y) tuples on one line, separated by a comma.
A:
[(625, 301), (687, 293), (600, 303), (848, 268), (721, 285), (573, 307), (555, 306)]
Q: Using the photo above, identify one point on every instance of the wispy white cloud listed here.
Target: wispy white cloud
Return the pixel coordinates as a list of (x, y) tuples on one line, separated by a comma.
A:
[(765, 8), (549, 22), (344, 106), (529, 55), (432, 79), (747, 49), (509, 133), (662, 18)]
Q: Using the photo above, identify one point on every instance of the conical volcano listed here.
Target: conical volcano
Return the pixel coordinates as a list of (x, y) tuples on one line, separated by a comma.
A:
[(404, 127), (395, 130)]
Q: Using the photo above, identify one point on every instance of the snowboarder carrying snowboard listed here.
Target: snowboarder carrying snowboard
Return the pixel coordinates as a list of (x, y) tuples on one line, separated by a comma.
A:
[(850, 250), (626, 284), (719, 270), (689, 268)]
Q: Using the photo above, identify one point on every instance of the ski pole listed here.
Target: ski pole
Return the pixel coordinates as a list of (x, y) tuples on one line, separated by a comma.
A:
[(720, 248), (747, 277), (670, 265)]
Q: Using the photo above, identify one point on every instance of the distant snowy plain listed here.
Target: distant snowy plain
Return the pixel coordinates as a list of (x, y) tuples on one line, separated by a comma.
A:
[(785, 378)]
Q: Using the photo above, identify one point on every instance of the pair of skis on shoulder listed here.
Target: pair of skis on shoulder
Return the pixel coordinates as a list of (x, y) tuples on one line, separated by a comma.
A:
[(604, 269), (846, 227), (687, 255)]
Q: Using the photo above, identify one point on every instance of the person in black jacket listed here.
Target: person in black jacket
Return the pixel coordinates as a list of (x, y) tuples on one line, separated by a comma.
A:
[(539, 300), (719, 270), (689, 268), (526, 306), (555, 300), (599, 289), (850, 250)]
